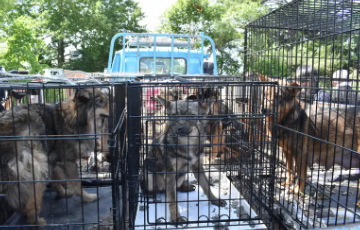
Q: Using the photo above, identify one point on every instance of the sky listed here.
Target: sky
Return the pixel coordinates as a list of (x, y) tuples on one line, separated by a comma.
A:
[(153, 9)]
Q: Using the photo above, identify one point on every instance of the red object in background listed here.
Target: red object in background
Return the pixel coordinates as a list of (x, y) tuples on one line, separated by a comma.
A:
[(150, 103), (198, 8)]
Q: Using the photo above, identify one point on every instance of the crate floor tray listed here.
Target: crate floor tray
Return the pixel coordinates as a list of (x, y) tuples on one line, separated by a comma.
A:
[(195, 207), (71, 213)]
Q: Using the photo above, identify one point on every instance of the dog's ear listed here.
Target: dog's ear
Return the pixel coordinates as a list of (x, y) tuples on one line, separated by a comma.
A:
[(211, 92), (295, 88), (206, 107), (82, 96), (163, 102), (263, 78)]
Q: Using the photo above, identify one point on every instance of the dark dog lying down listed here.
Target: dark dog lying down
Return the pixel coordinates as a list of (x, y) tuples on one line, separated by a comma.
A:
[(37, 160)]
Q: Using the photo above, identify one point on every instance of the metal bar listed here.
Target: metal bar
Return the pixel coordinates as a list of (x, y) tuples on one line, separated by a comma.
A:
[(138, 54), (154, 67), (188, 57), (172, 56), (133, 159), (202, 53), (122, 65), (119, 107), (245, 52)]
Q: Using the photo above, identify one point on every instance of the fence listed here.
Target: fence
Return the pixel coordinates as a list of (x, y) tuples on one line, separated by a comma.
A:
[(312, 49)]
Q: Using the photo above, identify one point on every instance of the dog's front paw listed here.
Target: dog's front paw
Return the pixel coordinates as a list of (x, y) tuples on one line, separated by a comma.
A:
[(179, 220), (295, 190), (65, 194), (187, 188), (219, 202), (41, 221), (38, 221), (90, 198), (358, 204)]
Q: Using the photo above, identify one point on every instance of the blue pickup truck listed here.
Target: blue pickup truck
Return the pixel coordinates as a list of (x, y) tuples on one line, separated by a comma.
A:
[(162, 54)]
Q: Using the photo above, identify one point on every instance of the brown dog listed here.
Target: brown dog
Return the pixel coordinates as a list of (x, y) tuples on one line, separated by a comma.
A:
[(28, 160), (300, 149)]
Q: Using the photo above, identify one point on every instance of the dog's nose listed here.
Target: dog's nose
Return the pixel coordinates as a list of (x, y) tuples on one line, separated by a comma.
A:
[(264, 110), (181, 128), (103, 115)]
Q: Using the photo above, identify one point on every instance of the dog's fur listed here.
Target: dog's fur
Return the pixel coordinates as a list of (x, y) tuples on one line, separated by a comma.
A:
[(300, 150), (34, 160), (180, 150), (216, 127)]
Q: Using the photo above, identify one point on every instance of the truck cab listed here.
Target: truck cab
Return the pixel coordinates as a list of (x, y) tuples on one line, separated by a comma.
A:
[(161, 54)]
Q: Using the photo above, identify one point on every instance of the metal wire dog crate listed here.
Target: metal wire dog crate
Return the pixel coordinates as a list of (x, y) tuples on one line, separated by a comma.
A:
[(75, 135), (180, 137), (312, 47)]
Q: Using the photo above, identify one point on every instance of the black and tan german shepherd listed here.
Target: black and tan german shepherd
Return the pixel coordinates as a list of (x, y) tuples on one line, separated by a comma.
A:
[(333, 127)]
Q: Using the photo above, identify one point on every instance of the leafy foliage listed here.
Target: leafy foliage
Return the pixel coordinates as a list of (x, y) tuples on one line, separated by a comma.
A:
[(191, 17), (222, 20), (86, 26), (93, 38), (325, 55), (5, 6), (23, 46)]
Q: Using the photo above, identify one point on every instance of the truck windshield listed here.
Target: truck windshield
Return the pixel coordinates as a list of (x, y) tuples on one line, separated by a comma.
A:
[(163, 65)]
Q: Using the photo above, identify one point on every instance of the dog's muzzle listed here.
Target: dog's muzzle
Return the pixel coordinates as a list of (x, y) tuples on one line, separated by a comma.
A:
[(265, 110)]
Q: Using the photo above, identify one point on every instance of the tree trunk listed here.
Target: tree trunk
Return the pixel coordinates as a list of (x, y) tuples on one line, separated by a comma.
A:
[(61, 53)]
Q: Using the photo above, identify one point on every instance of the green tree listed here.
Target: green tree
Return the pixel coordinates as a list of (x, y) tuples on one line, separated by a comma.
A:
[(88, 26), (5, 6), (191, 17), (94, 34), (22, 47), (222, 20)]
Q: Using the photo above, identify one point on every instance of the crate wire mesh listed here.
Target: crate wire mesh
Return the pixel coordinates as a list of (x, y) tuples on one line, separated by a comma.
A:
[(314, 44), (35, 125), (222, 131)]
